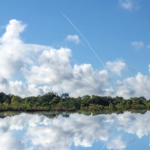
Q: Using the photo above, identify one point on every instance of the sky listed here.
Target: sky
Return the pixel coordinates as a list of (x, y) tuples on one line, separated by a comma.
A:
[(76, 47)]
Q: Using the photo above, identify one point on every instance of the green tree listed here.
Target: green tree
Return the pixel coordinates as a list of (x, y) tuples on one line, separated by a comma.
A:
[(112, 106), (64, 96), (16, 102)]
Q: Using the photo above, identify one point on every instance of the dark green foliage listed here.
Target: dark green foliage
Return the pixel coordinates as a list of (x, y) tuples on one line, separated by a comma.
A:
[(64, 96), (51, 101)]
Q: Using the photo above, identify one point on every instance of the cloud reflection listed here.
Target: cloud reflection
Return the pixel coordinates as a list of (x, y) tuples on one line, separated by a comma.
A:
[(43, 133)]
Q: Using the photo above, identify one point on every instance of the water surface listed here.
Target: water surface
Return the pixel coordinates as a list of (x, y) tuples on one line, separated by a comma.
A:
[(74, 131)]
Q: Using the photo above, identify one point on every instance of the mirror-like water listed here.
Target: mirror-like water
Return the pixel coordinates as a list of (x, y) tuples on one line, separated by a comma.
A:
[(54, 131)]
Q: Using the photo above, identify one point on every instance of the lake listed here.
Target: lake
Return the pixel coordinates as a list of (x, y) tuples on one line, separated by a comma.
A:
[(74, 131)]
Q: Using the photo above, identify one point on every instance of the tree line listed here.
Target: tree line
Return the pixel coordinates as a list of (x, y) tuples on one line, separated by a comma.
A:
[(51, 101)]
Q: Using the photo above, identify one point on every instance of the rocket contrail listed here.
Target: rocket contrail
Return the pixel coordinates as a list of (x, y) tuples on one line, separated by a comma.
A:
[(84, 39)]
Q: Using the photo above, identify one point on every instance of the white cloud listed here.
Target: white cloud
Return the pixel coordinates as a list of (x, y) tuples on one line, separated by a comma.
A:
[(126, 4), (85, 80), (73, 38), (79, 80), (129, 4), (18, 88), (48, 69), (137, 45), (44, 65), (116, 143), (116, 66), (14, 54), (11, 49), (135, 86), (13, 30), (52, 68), (124, 90)]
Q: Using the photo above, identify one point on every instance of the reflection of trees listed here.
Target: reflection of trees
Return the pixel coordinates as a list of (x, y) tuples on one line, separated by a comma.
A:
[(66, 114)]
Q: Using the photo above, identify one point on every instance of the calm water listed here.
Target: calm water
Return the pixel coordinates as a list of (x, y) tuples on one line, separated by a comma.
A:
[(55, 131)]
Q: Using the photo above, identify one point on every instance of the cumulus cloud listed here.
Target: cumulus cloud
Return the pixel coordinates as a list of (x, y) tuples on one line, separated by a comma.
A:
[(14, 53), (73, 38), (11, 49), (45, 69), (13, 30), (19, 88), (54, 69), (137, 45), (116, 143), (116, 66), (134, 86), (125, 90), (44, 65)]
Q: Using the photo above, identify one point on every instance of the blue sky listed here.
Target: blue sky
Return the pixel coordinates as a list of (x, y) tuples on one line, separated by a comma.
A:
[(117, 30)]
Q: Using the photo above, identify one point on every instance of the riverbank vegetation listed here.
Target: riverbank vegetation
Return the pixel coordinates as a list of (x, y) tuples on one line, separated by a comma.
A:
[(51, 101)]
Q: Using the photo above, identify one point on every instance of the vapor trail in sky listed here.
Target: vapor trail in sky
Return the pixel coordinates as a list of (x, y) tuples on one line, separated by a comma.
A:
[(84, 39), (90, 48)]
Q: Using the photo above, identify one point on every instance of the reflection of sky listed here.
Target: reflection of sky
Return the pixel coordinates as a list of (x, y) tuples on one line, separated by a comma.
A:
[(78, 132)]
